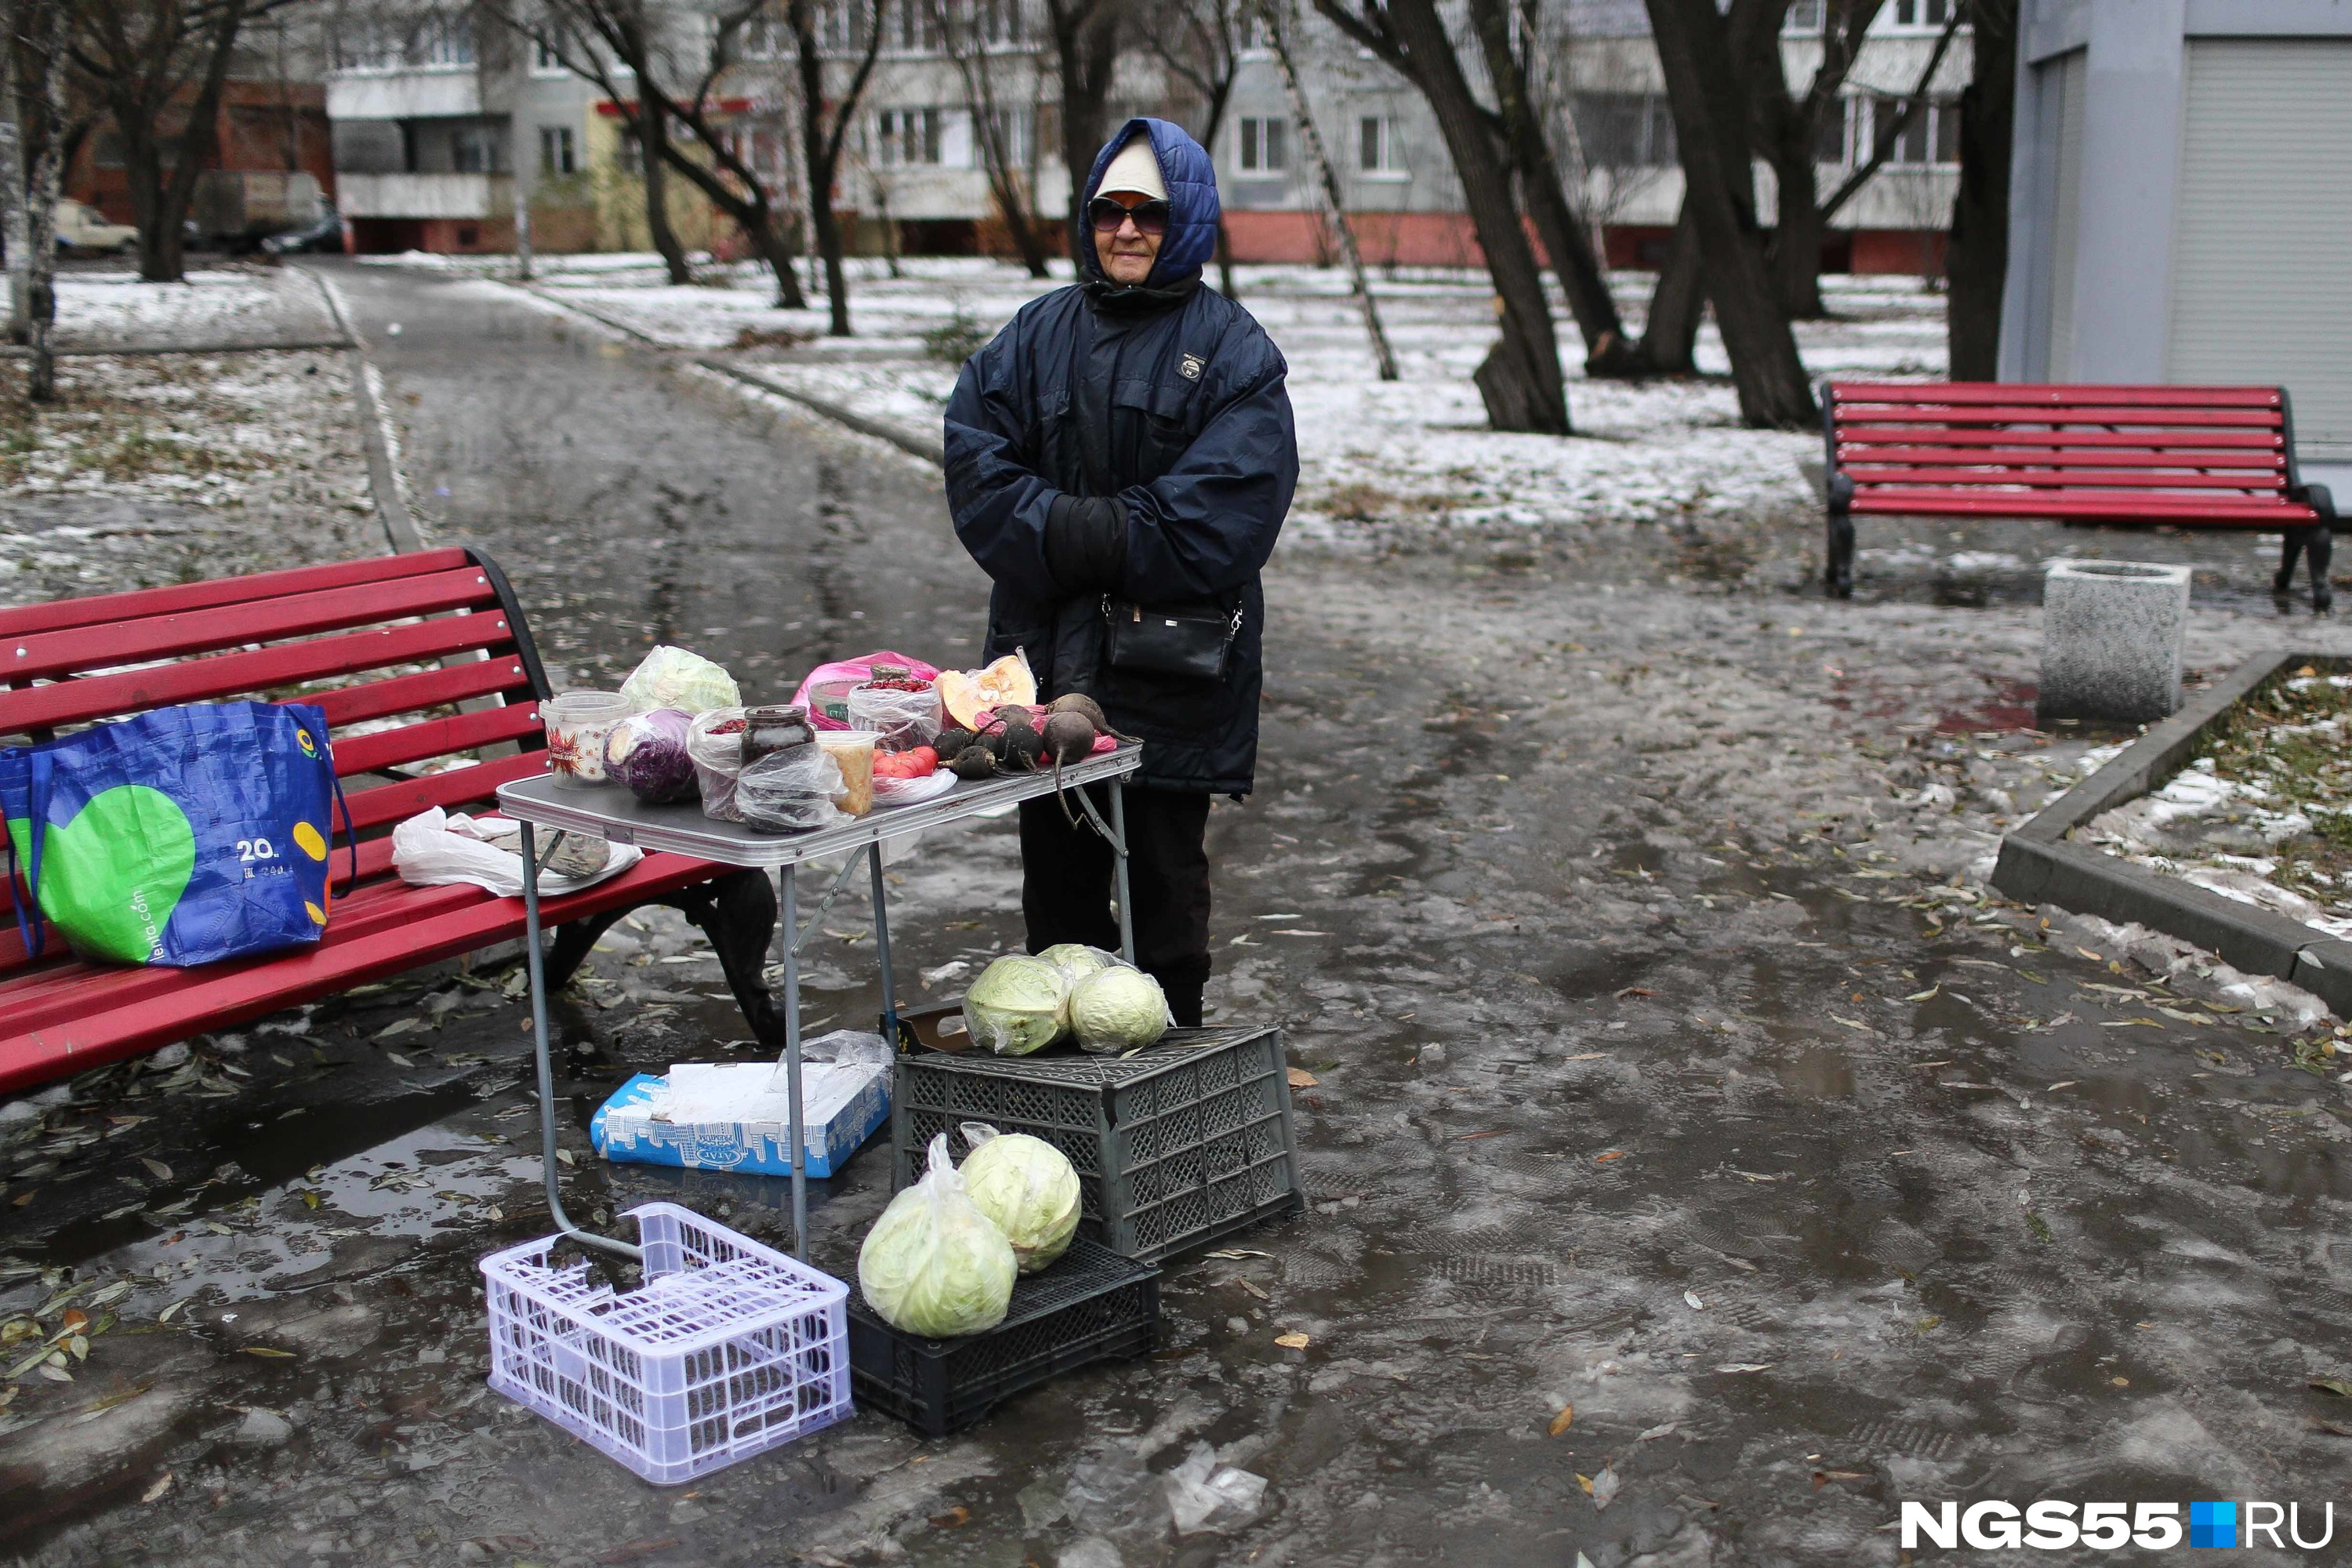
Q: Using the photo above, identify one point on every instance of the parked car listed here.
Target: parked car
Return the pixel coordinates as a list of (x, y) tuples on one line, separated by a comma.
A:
[(324, 235), (82, 227), (236, 210)]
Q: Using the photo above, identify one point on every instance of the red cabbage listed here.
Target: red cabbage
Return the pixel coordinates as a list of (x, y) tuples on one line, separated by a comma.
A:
[(648, 753)]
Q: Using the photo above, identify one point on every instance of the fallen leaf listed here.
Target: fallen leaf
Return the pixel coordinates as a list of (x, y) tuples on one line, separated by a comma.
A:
[(157, 1488), (1604, 1488), (1653, 1432), (2332, 1428), (269, 1353), (2334, 1386), (565, 1155), (156, 1168), (950, 1520), (2120, 1382), (398, 1059), (1587, 1057), (310, 1197), (2063, 1083), (1301, 1079), (1850, 1023), (1695, 1304), (56, 1374), (1490, 1132), (1292, 1342), (1253, 1290), (400, 1026), (1561, 1422), (1585, 1481), (1926, 995), (217, 1228), (1237, 1252), (1927, 1325), (74, 1321), (79, 1347), (1745, 1366), (1606, 1155), (1635, 991), (168, 1313), (1822, 1478)]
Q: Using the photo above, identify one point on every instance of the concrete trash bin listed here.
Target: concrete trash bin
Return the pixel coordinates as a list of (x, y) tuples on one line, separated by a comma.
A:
[(2111, 636)]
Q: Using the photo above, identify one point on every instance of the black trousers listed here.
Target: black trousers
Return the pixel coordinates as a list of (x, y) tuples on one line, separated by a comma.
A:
[(1066, 885)]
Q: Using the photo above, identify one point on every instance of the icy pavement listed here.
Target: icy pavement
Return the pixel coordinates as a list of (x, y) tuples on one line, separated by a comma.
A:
[(1688, 1122)]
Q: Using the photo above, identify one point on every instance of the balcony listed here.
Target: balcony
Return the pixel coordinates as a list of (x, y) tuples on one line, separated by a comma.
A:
[(432, 92), (424, 196)]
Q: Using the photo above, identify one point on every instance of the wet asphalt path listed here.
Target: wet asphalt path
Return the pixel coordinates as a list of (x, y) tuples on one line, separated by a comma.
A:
[(1690, 1137)]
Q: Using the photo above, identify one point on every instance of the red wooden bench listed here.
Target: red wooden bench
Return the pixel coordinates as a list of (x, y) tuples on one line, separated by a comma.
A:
[(417, 659), (2200, 456)]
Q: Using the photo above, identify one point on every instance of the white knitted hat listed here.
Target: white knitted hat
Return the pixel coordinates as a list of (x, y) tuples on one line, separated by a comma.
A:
[(1136, 168)]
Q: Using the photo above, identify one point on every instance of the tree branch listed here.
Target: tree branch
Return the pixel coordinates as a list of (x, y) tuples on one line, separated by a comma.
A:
[(1885, 137)]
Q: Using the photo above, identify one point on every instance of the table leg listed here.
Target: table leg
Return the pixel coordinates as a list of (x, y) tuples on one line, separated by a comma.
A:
[(788, 899), (882, 951), (534, 962), (1119, 860)]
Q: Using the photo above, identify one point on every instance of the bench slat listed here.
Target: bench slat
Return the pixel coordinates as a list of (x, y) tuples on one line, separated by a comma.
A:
[(2148, 440), (224, 995), (2121, 506), (2247, 463), (105, 609), (386, 804), (90, 697), (2055, 395), (2172, 419), (1871, 471), (436, 738), (234, 626), (428, 688)]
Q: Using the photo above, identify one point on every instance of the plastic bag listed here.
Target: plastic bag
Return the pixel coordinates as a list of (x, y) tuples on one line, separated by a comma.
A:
[(673, 678), (790, 792), (859, 1046), (901, 720), (434, 850), (1204, 1495), (718, 761), (646, 752), (855, 672), (933, 1264), (1028, 1186)]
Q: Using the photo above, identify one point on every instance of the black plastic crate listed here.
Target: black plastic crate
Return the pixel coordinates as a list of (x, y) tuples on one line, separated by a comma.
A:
[(1091, 1305), (1175, 1146)]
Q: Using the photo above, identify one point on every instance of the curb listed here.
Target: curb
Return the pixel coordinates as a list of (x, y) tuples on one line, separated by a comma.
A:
[(932, 452), (2039, 865), (375, 428), (288, 345)]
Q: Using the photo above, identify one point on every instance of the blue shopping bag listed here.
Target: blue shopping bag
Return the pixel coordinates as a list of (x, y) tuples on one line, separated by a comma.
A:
[(185, 836)]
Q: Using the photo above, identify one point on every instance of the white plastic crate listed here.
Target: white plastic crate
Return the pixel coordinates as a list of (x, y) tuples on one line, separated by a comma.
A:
[(727, 1349)]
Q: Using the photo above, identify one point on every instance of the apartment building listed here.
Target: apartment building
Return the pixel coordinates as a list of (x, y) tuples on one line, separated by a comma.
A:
[(426, 111)]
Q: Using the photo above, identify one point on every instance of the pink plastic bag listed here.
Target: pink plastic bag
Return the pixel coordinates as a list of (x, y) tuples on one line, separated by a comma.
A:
[(860, 668)]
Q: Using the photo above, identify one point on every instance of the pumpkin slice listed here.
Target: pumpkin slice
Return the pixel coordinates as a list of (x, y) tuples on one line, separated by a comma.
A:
[(969, 694)]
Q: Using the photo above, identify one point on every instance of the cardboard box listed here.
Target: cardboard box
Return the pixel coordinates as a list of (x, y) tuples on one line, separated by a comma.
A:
[(842, 1105)]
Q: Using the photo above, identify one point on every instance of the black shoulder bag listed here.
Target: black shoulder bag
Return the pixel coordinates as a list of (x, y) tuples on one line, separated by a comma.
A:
[(1193, 638)]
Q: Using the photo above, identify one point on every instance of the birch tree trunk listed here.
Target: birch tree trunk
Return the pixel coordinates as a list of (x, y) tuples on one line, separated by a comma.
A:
[(41, 246), (16, 227)]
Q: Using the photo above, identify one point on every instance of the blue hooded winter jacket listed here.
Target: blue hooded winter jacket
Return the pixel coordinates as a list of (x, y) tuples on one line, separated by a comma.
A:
[(1158, 411)]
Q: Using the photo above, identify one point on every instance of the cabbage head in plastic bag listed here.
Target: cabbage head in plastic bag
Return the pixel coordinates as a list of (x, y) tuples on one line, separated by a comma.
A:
[(933, 1264), (1077, 960), (673, 678), (1118, 1010), (1015, 1005), (1028, 1186)]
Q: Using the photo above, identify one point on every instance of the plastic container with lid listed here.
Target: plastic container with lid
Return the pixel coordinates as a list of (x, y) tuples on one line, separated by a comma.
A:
[(577, 725), (854, 750), (902, 711)]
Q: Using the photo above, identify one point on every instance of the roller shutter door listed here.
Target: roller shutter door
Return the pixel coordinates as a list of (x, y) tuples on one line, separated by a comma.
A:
[(2262, 249)]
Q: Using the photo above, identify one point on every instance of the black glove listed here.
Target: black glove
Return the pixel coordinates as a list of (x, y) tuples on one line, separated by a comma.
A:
[(1086, 545)]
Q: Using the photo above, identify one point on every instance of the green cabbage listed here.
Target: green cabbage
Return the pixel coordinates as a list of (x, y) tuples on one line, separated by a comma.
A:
[(933, 1264), (673, 678), (1121, 1009), (1078, 961), (1015, 1005), (1028, 1186)]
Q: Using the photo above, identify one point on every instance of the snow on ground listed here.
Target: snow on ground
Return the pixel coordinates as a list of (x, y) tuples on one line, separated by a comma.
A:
[(102, 308), (1414, 450)]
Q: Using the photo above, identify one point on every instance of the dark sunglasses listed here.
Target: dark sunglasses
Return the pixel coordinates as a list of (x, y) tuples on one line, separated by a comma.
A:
[(1105, 214)]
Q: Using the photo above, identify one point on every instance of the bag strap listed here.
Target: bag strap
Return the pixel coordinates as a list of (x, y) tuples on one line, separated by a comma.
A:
[(37, 813), (335, 782)]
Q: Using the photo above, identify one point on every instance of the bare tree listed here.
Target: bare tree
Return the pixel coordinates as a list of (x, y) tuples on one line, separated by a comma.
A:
[(1009, 178), (1607, 350), (1202, 50), (1697, 45), (139, 59), (15, 226), (821, 141), (1086, 58), (1976, 264), (49, 24), (1787, 127), (1519, 381)]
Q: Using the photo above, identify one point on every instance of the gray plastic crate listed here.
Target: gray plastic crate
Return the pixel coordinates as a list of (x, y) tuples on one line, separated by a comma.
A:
[(1175, 1146)]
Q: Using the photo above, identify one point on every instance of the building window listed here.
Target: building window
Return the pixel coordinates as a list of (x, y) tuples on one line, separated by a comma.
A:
[(544, 60), (1917, 14), (1016, 135), (1805, 19), (474, 150), (1830, 144), (556, 153), (1377, 152), (914, 29), (1265, 145), (906, 137), (1625, 130), (1933, 136)]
